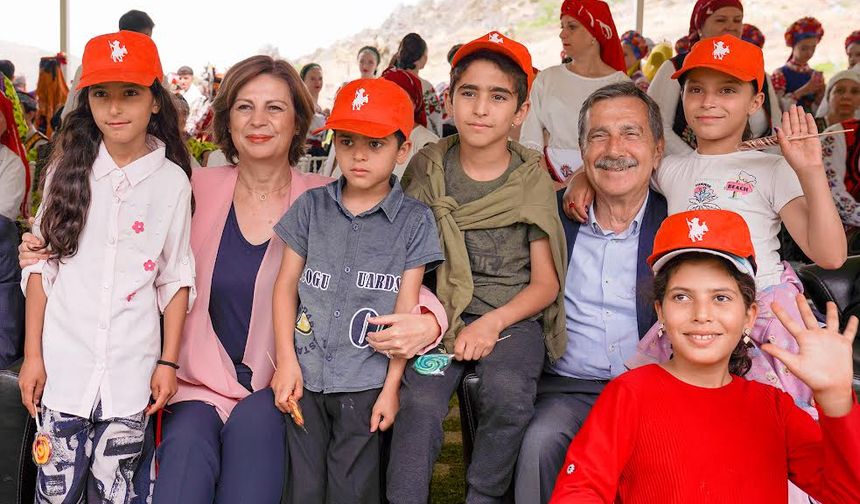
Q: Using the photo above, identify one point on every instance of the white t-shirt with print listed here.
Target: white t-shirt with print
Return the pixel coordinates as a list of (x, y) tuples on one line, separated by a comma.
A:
[(754, 184)]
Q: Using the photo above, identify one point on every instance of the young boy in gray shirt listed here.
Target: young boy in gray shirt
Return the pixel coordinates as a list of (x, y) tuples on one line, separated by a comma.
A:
[(356, 248)]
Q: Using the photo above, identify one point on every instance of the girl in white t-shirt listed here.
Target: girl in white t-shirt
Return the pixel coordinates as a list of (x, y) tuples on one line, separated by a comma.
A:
[(721, 80), (116, 221)]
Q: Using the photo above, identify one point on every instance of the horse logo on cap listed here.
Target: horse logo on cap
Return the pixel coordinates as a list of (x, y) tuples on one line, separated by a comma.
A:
[(697, 230), (720, 50), (360, 100), (117, 51), (496, 38)]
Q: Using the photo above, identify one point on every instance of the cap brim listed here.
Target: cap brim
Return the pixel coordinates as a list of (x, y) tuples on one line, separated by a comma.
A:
[(107, 75), (743, 268), (366, 128), (728, 71)]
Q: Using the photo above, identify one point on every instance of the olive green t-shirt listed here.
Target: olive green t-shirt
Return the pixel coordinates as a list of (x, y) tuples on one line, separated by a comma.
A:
[(499, 258)]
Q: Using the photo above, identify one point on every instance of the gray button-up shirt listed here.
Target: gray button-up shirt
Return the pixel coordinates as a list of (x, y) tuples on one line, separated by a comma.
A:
[(353, 268)]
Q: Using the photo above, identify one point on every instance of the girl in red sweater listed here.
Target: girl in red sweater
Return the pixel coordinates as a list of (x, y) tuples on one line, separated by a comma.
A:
[(691, 430)]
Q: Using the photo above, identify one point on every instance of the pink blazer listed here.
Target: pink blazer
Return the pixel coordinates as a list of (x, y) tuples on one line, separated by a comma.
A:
[(206, 372)]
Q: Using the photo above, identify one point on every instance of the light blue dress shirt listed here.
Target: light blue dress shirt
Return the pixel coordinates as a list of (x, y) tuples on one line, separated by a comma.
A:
[(600, 301)]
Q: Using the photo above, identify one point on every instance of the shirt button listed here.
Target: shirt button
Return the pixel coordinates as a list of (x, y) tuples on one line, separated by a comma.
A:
[(112, 240), (102, 325), (570, 469), (185, 260), (355, 227), (100, 366), (328, 357), (336, 313), (612, 347), (346, 270)]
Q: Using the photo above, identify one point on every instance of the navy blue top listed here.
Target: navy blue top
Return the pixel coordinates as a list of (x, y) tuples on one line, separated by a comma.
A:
[(232, 294)]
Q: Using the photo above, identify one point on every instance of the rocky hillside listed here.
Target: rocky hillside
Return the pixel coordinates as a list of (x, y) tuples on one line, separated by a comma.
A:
[(444, 23)]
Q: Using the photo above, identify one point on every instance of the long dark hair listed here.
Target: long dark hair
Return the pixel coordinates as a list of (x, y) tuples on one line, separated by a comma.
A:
[(411, 49), (740, 361), (76, 149)]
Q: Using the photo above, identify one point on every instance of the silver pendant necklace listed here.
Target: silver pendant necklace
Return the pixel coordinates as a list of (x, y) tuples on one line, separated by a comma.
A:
[(263, 196)]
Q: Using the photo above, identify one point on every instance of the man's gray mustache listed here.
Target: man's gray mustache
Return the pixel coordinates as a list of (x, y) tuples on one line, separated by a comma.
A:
[(615, 164)]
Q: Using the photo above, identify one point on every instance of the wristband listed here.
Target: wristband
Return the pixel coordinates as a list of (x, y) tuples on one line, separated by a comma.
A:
[(167, 363)]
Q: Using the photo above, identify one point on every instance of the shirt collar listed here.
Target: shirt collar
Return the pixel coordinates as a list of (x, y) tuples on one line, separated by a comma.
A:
[(137, 170), (390, 205), (630, 231)]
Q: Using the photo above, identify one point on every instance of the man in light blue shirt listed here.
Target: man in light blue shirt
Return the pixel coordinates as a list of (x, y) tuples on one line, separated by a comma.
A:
[(608, 286)]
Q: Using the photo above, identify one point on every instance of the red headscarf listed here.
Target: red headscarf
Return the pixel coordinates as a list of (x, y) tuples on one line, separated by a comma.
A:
[(11, 140), (701, 12), (412, 85), (852, 39), (596, 17)]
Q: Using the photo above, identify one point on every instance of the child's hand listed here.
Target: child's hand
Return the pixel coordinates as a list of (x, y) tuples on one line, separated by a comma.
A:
[(804, 156), (286, 383), (578, 196), (824, 361), (385, 409), (478, 339), (163, 386), (26, 250), (31, 381)]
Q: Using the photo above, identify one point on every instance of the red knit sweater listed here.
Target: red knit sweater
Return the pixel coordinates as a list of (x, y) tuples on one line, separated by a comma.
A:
[(652, 438)]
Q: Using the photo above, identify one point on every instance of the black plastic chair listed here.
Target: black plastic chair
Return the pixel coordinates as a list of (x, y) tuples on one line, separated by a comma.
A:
[(17, 429), (467, 393), (841, 286)]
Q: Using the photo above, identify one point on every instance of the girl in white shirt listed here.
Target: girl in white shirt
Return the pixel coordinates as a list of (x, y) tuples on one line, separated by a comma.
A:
[(721, 81), (116, 220)]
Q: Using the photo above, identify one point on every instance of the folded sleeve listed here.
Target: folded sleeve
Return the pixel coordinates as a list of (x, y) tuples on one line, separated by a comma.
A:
[(294, 225), (47, 268), (176, 262), (429, 303), (423, 248)]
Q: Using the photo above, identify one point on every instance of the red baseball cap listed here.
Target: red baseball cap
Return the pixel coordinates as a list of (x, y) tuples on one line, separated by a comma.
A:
[(727, 54), (371, 107), (125, 56), (718, 232), (496, 42)]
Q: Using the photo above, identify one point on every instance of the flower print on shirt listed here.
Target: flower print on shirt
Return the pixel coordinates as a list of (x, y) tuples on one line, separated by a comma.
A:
[(703, 198), (137, 227), (149, 265)]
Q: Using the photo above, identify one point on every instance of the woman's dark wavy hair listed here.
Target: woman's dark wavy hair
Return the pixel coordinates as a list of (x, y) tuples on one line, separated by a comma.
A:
[(76, 149), (411, 49), (740, 361)]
